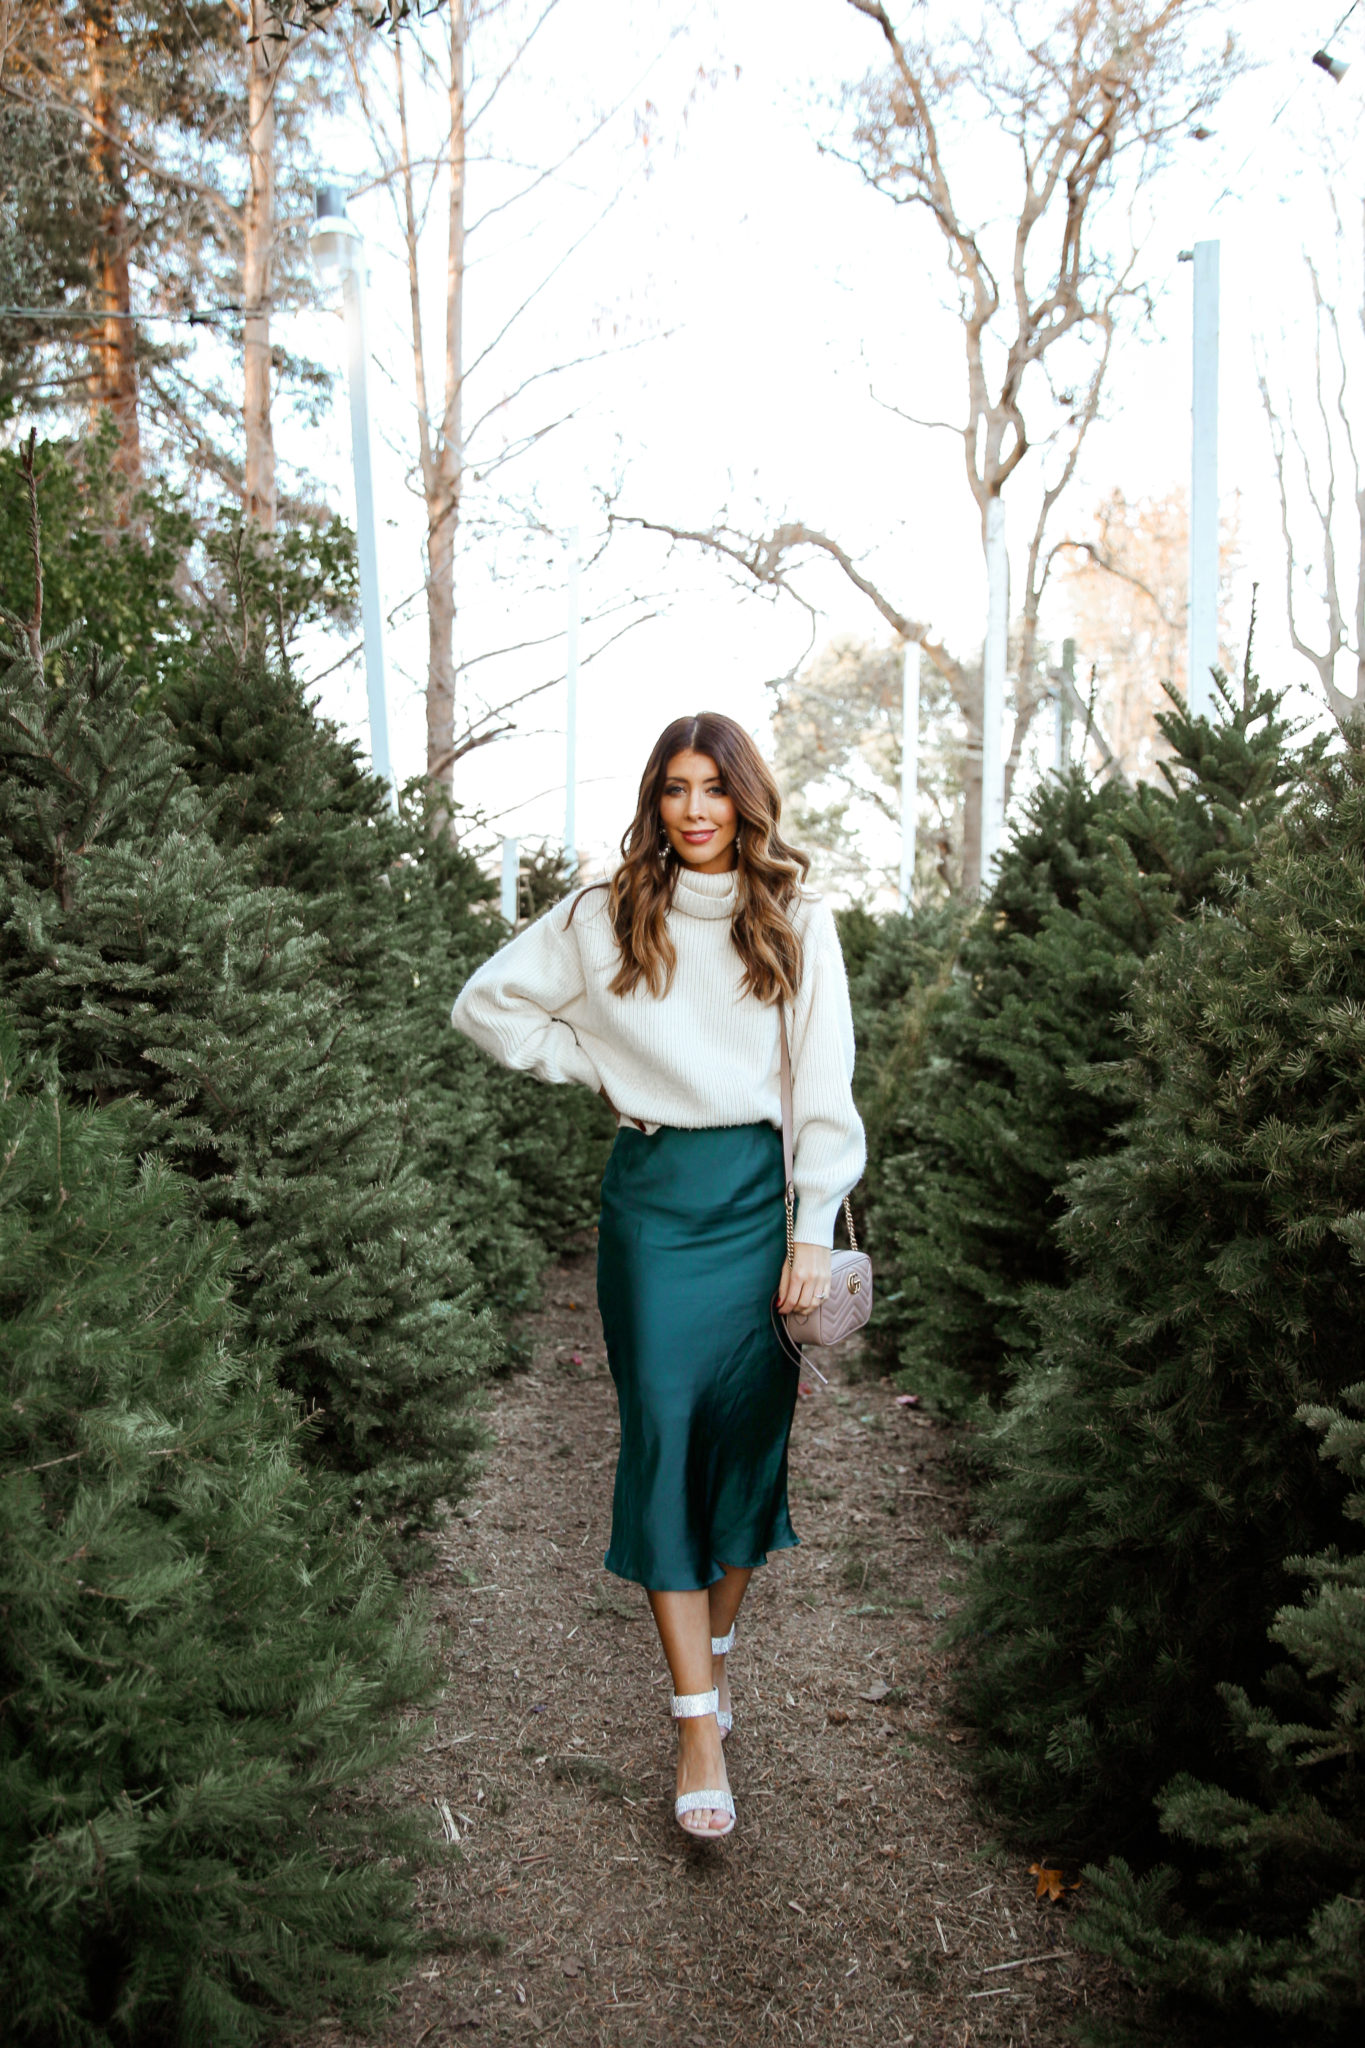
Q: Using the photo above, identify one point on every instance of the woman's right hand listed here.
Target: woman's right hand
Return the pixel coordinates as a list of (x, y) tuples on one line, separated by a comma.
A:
[(804, 1283)]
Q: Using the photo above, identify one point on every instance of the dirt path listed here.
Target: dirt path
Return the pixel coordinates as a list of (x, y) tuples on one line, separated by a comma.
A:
[(859, 1899)]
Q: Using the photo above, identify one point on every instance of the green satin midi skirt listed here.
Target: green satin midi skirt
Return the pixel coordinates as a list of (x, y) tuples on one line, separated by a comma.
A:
[(689, 1254)]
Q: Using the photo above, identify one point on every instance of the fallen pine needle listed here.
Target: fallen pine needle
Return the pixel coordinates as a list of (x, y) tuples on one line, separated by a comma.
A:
[(1054, 1955)]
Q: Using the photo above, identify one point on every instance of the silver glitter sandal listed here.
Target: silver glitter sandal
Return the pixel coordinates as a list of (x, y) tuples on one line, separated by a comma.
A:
[(721, 1646), (688, 1706)]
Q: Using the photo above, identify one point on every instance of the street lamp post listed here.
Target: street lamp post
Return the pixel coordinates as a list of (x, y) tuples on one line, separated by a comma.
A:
[(1203, 602), (338, 251)]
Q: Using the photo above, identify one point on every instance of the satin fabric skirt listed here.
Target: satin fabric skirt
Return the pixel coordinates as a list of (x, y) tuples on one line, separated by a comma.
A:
[(689, 1255)]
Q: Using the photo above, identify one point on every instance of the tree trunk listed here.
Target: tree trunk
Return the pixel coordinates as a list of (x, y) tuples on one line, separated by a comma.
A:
[(445, 474), (113, 362), (265, 55)]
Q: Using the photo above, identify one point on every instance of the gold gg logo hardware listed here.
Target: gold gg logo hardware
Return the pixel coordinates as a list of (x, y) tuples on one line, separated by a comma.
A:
[(854, 1283)]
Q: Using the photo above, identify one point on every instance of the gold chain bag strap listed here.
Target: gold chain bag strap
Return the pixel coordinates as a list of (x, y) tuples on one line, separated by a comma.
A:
[(849, 1302)]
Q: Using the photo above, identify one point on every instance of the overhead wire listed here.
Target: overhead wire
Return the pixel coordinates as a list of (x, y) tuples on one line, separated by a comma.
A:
[(1283, 107), (196, 317)]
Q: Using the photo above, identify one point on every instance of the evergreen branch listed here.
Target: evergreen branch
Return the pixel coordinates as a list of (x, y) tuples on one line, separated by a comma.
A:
[(178, 179), (21, 1471)]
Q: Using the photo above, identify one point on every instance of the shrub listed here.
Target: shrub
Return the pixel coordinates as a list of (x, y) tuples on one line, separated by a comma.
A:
[(129, 570), (1261, 1933), (1154, 1481), (1000, 1097), (112, 555), (515, 1167), (396, 909), (197, 1660), (899, 967), (151, 962)]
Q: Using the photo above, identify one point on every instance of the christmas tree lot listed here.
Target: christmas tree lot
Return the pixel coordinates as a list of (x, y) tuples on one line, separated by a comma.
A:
[(150, 961), (248, 1243), (985, 1097), (202, 1656), (515, 1168), (1159, 1497), (407, 917)]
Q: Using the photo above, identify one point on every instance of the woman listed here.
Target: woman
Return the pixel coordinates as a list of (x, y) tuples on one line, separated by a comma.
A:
[(660, 989)]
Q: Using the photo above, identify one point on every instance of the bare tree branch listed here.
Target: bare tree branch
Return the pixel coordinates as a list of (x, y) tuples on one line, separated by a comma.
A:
[(501, 77), (1335, 426), (764, 560), (1098, 83), (550, 275), (599, 355), (474, 736), (911, 418), (1110, 567)]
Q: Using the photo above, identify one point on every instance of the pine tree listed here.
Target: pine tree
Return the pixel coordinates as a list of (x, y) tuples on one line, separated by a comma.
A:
[(556, 1140), (50, 206), (152, 963), (1261, 1932), (139, 119), (978, 1130), (899, 968), (1154, 1483), (198, 1663), (516, 1167)]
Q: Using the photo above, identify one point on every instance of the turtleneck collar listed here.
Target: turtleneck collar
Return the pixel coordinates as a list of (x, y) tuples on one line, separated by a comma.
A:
[(701, 895)]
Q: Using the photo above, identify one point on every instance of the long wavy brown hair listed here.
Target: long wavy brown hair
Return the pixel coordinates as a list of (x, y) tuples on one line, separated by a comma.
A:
[(769, 872)]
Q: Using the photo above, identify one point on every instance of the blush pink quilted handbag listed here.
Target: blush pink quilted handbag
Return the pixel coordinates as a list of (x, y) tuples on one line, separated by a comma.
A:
[(849, 1302)]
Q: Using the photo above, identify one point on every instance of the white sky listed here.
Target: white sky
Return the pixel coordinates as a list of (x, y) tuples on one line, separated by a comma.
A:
[(762, 290)]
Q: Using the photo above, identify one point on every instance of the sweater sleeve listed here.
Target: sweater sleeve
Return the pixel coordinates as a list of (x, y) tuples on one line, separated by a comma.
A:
[(828, 1142), (514, 1005)]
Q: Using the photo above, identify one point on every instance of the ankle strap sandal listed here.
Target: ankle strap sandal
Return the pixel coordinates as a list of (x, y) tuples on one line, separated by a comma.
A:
[(721, 1646), (689, 1706)]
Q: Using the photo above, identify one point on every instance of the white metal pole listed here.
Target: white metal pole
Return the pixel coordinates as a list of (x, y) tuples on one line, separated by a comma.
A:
[(1203, 605), (371, 605), (996, 655), (910, 660), (571, 712), (507, 901), (1066, 683)]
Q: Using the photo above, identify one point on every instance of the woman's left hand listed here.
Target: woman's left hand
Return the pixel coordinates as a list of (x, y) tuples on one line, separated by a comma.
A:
[(804, 1283)]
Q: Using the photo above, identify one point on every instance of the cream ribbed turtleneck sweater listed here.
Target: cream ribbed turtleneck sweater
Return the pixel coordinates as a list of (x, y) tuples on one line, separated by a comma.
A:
[(705, 1054)]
